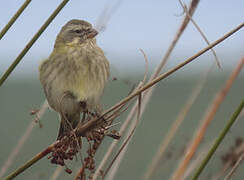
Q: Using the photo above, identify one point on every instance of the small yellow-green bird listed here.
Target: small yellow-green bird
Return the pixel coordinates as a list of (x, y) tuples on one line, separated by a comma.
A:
[(74, 75)]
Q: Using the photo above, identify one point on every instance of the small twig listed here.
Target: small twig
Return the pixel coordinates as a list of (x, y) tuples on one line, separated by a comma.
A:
[(146, 66), (32, 161), (206, 120), (195, 162), (114, 143), (154, 80), (165, 75), (109, 120), (120, 154), (32, 41), (81, 130), (237, 164), (222, 171), (22, 140), (14, 18), (123, 127), (200, 31), (125, 143), (175, 126), (219, 139)]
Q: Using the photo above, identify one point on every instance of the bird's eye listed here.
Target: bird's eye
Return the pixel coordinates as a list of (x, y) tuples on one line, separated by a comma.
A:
[(78, 31)]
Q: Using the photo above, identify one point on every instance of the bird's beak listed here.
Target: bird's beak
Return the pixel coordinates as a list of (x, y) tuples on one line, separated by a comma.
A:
[(92, 33)]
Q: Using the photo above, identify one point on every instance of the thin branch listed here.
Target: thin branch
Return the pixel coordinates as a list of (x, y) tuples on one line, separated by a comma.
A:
[(32, 41), (154, 80), (129, 134), (165, 75), (126, 141), (109, 120), (82, 129), (14, 18), (199, 157), (146, 67), (206, 121), (31, 162), (147, 94), (237, 164), (219, 139), (200, 31), (22, 140), (233, 154), (113, 145), (124, 125), (176, 124), (234, 168)]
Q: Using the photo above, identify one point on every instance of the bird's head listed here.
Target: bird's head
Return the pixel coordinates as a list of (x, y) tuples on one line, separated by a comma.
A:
[(75, 32)]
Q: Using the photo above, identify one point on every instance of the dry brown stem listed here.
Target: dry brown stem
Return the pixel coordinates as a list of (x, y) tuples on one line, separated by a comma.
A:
[(208, 117), (23, 139)]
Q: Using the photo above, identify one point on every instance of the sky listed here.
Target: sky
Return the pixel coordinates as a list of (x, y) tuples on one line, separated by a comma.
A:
[(146, 24)]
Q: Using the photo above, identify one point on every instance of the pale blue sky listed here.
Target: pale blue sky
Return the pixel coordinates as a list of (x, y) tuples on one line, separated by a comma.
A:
[(146, 24)]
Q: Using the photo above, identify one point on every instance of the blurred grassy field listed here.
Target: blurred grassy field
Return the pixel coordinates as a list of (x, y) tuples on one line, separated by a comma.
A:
[(19, 96)]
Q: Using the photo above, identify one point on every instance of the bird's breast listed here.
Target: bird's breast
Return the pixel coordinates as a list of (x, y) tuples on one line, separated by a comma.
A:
[(85, 73)]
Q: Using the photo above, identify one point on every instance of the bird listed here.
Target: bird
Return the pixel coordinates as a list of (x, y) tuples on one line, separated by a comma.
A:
[(74, 75)]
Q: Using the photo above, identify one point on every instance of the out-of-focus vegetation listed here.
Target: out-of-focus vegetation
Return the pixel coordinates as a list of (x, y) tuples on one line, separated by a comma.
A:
[(19, 96)]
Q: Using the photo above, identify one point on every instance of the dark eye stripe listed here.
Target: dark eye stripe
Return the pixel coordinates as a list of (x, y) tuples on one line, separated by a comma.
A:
[(78, 31)]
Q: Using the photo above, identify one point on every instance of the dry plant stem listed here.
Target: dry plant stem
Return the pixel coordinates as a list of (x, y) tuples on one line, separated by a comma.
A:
[(125, 143), (205, 122), (165, 75), (124, 125), (130, 132), (111, 118), (82, 130), (150, 84), (192, 8), (153, 78), (147, 94), (31, 162), (32, 41), (113, 145), (229, 164), (120, 154), (13, 19), (178, 121), (22, 140), (200, 31), (237, 164), (92, 123), (219, 139), (222, 172), (199, 157), (56, 173)]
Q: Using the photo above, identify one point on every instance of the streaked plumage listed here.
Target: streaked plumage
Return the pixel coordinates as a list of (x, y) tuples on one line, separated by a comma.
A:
[(76, 71)]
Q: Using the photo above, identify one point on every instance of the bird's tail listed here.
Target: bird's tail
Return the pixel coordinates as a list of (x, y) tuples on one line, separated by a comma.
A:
[(67, 124)]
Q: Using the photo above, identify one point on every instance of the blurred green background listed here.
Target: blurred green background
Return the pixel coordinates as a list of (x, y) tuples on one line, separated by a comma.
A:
[(149, 25), (20, 95)]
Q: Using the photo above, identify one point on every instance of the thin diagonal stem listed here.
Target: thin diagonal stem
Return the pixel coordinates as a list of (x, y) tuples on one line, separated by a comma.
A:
[(147, 94), (219, 140), (22, 140), (32, 41), (175, 126), (207, 119), (165, 75), (237, 164), (13, 19), (31, 162)]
